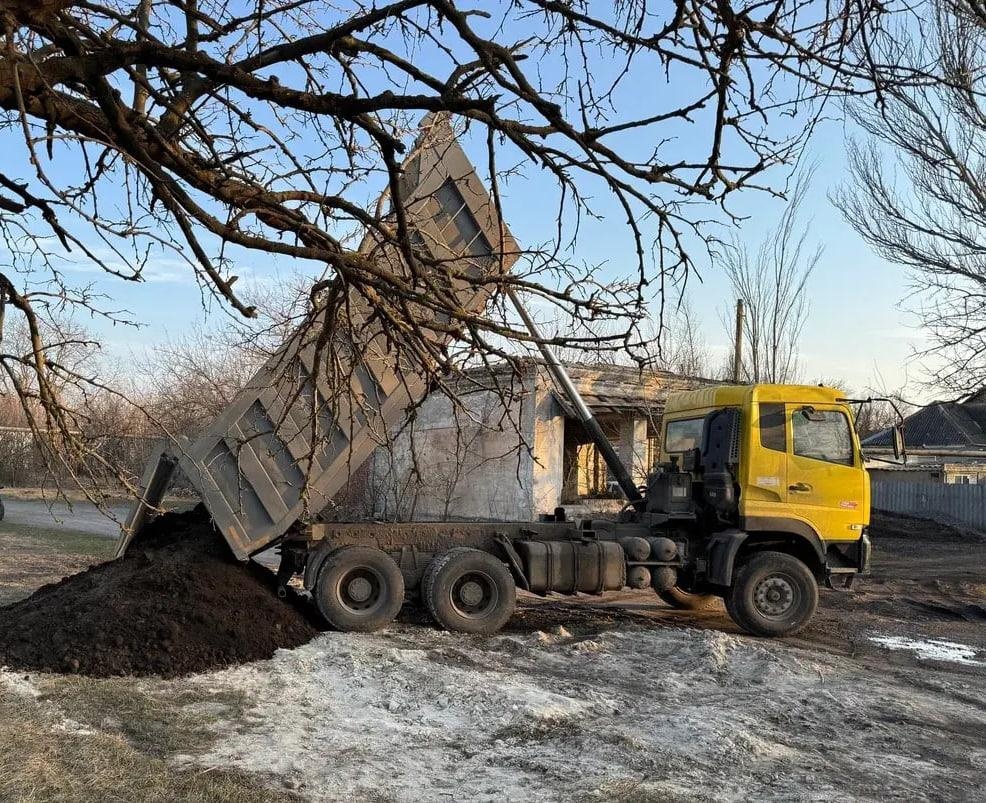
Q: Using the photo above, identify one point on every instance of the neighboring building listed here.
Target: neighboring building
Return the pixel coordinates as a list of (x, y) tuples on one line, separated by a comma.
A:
[(469, 463), (946, 443), (925, 470)]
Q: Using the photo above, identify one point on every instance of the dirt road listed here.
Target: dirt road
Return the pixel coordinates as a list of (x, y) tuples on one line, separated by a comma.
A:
[(82, 516), (884, 697)]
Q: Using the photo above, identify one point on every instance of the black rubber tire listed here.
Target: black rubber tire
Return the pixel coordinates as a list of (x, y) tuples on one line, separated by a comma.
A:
[(764, 573), (430, 570), (445, 581), (686, 601), (2, 511), (349, 573)]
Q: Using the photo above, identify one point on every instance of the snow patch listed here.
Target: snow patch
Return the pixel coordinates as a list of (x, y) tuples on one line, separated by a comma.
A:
[(413, 714), (19, 684), (931, 649), (22, 686), (72, 727)]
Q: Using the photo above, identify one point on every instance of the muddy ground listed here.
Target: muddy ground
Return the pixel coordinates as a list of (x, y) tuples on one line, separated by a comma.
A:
[(884, 697), (928, 581)]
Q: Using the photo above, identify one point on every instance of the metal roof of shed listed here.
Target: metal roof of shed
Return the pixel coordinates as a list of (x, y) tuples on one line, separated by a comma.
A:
[(947, 425)]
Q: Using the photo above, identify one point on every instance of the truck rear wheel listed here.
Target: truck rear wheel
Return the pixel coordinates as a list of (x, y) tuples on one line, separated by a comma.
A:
[(359, 589), (773, 594), (469, 590), (686, 601)]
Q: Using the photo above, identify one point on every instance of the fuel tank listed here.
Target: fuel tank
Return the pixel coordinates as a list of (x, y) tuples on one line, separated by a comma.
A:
[(567, 567)]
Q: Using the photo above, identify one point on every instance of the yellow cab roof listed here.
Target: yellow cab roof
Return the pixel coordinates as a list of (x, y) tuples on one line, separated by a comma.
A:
[(742, 395)]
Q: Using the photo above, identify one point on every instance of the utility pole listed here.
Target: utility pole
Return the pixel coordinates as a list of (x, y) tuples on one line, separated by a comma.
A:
[(738, 345)]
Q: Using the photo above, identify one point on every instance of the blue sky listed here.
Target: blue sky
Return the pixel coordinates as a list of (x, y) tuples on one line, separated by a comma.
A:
[(856, 332)]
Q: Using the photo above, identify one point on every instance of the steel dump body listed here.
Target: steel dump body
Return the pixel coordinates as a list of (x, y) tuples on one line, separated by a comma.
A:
[(313, 414)]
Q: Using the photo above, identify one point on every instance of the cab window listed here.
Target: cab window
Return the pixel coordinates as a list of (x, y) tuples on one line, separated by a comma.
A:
[(684, 435), (773, 426), (823, 435)]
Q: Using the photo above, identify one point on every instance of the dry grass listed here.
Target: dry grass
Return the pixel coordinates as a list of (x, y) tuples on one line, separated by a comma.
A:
[(30, 557), (51, 494), (111, 496), (81, 739)]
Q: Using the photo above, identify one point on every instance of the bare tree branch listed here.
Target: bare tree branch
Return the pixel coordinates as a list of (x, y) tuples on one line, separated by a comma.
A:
[(918, 192), (213, 132)]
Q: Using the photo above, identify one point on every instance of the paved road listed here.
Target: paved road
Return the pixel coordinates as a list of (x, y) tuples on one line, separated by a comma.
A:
[(80, 517)]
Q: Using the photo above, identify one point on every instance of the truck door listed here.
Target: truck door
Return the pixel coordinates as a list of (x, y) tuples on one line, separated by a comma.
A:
[(825, 481), (765, 492)]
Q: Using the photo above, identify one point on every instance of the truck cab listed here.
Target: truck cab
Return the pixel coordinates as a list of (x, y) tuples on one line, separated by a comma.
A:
[(775, 469)]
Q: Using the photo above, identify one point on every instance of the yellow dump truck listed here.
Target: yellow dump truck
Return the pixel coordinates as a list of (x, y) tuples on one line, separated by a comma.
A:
[(760, 497)]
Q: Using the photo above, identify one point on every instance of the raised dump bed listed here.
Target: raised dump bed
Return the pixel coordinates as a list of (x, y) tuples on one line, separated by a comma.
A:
[(313, 414)]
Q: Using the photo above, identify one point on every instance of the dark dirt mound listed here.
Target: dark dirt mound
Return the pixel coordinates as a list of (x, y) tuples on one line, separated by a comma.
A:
[(177, 602), (896, 525)]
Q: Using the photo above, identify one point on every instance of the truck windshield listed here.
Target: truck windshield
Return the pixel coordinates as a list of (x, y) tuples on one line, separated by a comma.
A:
[(823, 436), (684, 435)]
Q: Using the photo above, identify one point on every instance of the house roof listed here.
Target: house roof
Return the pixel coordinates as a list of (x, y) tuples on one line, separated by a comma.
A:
[(606, 389), (614, 389), (946, 425), (612, 403)]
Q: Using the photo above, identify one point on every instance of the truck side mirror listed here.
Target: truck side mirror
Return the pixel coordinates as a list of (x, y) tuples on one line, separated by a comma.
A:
[(898, 436), (811, 414)]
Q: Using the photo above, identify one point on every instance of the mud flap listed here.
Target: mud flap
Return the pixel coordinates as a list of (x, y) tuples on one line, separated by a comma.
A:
[(723, 548), (865, 552)]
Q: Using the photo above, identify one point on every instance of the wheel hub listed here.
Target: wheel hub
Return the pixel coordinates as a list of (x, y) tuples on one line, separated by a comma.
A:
[(471, 593), (774, 596), (474, 595), (359, 589)]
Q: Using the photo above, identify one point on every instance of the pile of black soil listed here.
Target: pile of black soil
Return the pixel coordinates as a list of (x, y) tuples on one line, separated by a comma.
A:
[(884, 524), (177, 602)]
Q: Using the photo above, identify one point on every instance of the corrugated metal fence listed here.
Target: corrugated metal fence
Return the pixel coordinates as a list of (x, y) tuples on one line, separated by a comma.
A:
[(963, 504)]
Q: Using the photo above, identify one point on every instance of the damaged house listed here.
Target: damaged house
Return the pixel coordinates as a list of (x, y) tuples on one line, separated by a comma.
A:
[(513, 449)]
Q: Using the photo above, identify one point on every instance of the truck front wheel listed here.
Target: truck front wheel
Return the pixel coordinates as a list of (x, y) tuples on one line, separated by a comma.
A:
[(469, 590), (359, 589), (773, 594)]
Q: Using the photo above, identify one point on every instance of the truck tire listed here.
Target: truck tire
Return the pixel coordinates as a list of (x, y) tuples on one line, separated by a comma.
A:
[(686, 601), (469, 590), (773, 594), (434, 564), (359, 589)]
